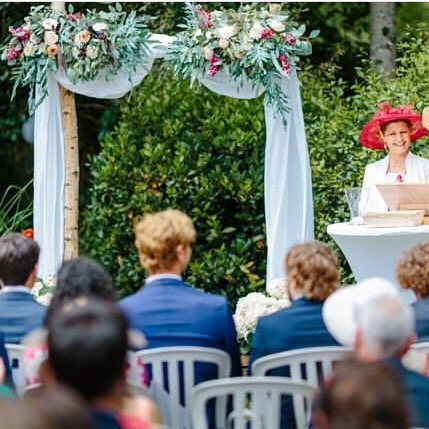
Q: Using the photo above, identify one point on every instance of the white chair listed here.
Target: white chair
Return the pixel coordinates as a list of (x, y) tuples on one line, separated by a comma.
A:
[(311, 365), (15, 353), (255, 402), (421, 347), (177, 364)]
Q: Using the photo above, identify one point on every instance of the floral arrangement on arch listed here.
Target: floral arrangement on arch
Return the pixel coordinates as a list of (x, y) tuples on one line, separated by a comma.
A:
[(256, 304), (81, 44), (257, 40)]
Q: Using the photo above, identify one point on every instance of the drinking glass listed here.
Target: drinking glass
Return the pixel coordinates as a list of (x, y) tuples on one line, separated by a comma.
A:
[(354, 196)]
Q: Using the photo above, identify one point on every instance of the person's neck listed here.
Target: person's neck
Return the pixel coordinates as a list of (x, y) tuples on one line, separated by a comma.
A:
[(397, 163), (111, 401)]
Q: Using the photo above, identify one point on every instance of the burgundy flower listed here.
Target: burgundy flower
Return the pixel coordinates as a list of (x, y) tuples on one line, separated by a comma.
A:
[(21, 33), (290, 39), (285, 63), (14, 53), (267, 33), (73, 17), (214, 66)]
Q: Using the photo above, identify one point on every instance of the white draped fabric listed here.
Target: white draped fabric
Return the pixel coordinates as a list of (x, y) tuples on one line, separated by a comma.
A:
[(288, 195)]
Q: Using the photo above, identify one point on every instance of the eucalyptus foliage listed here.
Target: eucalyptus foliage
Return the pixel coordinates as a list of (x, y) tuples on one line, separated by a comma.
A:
[(79, 44)]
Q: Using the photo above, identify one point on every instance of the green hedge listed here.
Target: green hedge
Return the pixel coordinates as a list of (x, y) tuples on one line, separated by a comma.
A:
[(187, 149), (204, 154)]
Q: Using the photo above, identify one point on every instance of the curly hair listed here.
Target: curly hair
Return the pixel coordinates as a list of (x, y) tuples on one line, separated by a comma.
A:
[(158, 234), (313, 267), (412, 270)]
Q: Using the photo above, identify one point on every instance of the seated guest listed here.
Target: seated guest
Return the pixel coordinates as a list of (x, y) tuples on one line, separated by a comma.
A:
[(362, 396), (372, 317), (19, 311), (312, 275), (87, 349), (169, 311), (412, 272), (57, 408), (80, 279)]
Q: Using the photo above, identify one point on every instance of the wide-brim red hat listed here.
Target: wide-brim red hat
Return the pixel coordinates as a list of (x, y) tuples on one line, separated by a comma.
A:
[(371, 135)]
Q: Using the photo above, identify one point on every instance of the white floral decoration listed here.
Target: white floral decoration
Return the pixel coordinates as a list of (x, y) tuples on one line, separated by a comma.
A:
[(43, 289), (255, 305)]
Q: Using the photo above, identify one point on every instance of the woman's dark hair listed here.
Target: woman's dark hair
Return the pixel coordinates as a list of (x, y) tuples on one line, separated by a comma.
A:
[(81, 277)]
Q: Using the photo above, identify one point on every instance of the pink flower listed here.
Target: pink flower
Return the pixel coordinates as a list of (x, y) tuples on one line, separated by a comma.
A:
[(290, 39), (73, 17), (205, 17), (214, 66), (399, 178), (13, 54), (21, 33), (267, 33), (285, 63)]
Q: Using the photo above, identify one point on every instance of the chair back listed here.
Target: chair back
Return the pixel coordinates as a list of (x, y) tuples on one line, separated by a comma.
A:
[(15, 353), (173, 373), (253, 402), (421, 347), (312, 365)]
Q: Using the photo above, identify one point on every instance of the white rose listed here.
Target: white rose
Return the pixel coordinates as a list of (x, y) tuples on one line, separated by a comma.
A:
[(75, 53), (207, 53), (99, 26), (209, 35), (50, 37), (223, 43), (255, 31), (226, 32), (91, 52), (198, 32), (49, 24), (276, 25)]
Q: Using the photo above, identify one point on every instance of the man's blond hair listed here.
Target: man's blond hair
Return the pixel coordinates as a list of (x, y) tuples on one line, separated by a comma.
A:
[(157, 236)]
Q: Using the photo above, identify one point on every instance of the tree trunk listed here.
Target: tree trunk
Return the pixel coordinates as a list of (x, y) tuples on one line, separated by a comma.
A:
[(71, 174), (382, 49), (71, 167)]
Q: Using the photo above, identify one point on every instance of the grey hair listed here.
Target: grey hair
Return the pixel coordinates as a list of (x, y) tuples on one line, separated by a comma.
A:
[(386, 324)]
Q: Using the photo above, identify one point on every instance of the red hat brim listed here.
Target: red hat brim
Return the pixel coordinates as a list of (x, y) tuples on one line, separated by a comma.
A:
[(371, 135)]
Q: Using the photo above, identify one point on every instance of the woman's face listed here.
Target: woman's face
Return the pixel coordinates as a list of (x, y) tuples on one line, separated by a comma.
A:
[(397, 137)]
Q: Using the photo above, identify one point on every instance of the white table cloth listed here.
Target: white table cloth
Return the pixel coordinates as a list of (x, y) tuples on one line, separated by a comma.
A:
[(376, 251)]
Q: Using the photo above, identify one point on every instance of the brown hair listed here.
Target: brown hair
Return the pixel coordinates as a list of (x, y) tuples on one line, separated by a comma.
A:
[(313, 267), (384, 126), (158, 234), (18, 256), (364, 396), (412, 269)]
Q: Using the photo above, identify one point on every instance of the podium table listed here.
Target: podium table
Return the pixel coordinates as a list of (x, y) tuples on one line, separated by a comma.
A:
[(376, 251)]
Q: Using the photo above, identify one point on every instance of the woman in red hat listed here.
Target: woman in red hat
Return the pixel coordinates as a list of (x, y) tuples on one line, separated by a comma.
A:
[(392, 129)]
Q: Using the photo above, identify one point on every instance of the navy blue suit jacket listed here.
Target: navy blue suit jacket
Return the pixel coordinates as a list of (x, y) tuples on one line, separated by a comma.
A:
[(298, 326), (19, 314), (170, 312), (417, 392), (421, 312)]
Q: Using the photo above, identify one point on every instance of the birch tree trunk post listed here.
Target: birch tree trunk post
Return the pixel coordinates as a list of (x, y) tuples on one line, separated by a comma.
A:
[(71, 170), (382, 49)]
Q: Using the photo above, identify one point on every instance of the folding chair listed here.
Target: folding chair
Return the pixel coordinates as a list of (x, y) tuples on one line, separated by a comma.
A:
[(255, 402), (312, 365), (173, 371)]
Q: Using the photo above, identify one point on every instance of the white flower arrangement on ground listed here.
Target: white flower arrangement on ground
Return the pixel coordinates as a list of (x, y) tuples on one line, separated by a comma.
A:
[(258, 40), (256, 304), (81, 44), (43, 289)]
